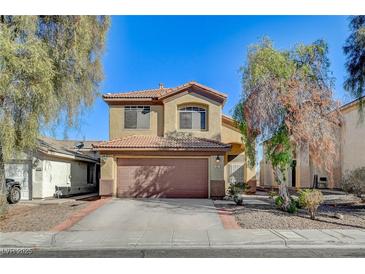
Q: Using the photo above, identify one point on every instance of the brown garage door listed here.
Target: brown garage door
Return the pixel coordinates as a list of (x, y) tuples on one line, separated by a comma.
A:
[(163, 177)]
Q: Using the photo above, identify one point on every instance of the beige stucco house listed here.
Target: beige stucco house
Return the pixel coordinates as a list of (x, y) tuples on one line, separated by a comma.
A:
[(351, 153), (171, 142), (56, 168)]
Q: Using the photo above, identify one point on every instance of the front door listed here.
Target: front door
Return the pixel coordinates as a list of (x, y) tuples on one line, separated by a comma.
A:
[(293, 173)]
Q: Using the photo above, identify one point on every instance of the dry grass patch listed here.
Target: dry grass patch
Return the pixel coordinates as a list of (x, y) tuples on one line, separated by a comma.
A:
[(37, 217)]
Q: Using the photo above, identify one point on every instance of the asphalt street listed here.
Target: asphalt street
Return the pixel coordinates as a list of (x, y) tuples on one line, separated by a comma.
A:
[(196, 253)]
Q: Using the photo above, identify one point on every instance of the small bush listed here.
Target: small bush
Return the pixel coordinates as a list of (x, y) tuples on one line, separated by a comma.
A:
[(272, 194), (301, 197), (293, 206), (311, 200), (235, 190), (354, 181), (279, 201), (238, 199)]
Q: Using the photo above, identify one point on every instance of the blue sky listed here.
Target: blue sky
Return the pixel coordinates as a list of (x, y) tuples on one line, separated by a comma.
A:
[(143, 51)]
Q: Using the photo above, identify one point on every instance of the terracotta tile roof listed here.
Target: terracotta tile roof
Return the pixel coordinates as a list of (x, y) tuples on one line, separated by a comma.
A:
[(147, 93), (143, 142), (157, 93)]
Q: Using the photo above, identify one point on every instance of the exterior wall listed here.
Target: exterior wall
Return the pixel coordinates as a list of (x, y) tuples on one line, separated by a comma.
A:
[(38, 180), (267, 178), (108, 184), (303, 171), (54, 174), (69, 175), (116, 122), (216, 171), (266, 174), (230, 135), (214, 124), (353, 141)]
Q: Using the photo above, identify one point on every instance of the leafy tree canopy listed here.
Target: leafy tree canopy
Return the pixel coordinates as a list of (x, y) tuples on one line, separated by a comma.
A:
[(354, 50), (50, 67), (287, 102)]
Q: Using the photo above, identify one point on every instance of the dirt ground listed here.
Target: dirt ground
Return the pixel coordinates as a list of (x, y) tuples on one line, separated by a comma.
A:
[(37, 217), (268, 217)]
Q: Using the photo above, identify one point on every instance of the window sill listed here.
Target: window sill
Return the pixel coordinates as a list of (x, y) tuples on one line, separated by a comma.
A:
[(192, 130), (138, 129)]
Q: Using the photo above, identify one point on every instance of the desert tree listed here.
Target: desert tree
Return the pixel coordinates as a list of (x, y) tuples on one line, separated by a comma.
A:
[(287, 103), (354, 50), (50, 67)]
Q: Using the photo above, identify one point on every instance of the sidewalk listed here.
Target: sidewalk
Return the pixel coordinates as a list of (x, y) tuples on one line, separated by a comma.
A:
[(169, 239)]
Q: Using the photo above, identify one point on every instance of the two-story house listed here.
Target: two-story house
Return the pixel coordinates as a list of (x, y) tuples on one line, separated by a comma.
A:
[(171, 142)]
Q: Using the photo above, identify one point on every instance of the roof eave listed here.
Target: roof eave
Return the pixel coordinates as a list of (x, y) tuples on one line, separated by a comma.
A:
[(213, 92), (120, 99), (165, 149)]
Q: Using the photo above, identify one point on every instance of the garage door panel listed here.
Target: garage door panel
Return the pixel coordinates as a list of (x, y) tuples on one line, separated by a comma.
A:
[(168, 177)]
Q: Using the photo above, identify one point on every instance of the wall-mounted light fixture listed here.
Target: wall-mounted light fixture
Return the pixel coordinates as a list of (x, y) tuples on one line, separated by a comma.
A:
[(217, 159)]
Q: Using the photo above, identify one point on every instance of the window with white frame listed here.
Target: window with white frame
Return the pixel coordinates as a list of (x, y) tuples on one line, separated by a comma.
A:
[(137, 117), (192, 118)]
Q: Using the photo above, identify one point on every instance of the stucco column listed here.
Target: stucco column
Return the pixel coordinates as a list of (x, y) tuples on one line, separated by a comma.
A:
[(107, 186)]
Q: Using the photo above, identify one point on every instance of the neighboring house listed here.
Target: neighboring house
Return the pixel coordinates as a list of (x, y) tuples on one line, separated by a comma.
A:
[(171, 142), (351, 155), (71, 167)]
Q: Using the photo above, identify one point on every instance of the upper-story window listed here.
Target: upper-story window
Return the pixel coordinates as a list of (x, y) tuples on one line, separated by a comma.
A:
[(193, 118), (137, 117)]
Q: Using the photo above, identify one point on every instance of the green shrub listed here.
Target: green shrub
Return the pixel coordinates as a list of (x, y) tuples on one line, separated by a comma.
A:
[(238, 199), (279, 201), (311, 200), (272, 194), (293, 206), (301, 197), (235, 190)]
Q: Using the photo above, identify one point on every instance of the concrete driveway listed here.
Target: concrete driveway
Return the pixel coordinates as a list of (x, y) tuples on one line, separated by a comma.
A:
[(152, 214), (145, 222)]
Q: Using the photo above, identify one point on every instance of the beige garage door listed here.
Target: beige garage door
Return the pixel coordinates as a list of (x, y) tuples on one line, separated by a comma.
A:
[(163, 177)]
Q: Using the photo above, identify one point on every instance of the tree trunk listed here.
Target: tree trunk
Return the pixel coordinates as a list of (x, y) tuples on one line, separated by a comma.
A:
[(312, 214), (283, 188), (3, 201)]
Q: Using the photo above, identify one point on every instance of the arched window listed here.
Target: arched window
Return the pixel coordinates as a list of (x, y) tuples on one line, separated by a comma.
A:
[(192, 118)]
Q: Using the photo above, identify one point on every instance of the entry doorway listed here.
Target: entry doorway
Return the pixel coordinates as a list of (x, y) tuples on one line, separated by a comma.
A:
[(293, 173)]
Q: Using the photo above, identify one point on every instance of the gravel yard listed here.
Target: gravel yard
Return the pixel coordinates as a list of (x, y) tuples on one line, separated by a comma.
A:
[(38, 217), (260, 212)]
